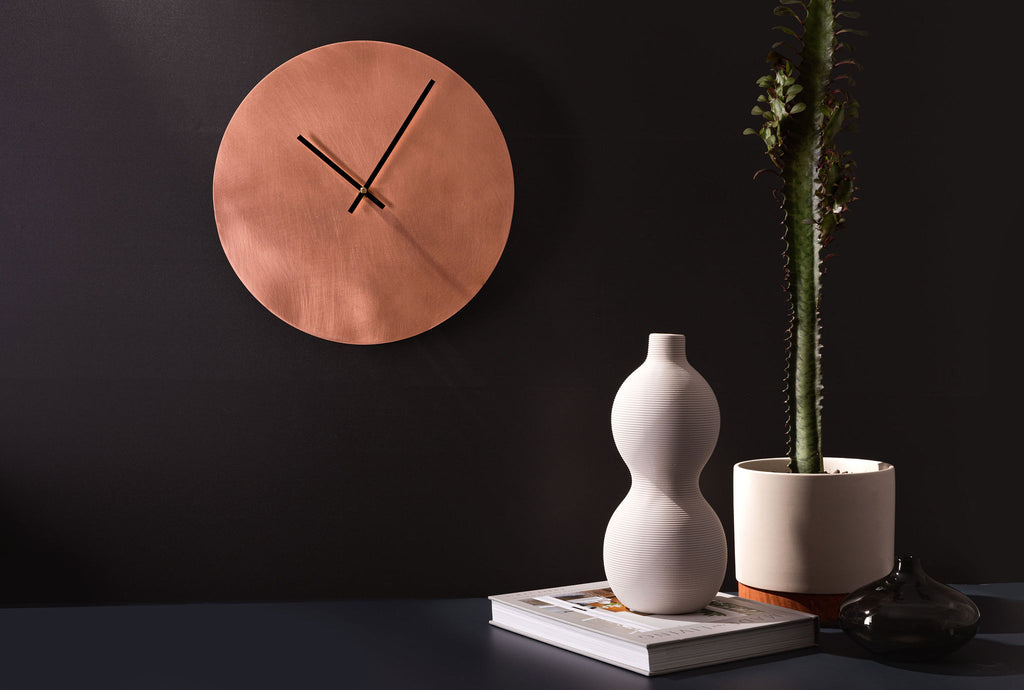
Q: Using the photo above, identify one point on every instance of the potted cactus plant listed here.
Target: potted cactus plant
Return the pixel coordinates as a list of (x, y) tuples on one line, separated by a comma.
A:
[(810, 529)]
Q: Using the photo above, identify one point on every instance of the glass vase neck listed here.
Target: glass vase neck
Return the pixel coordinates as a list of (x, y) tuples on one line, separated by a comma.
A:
[(908, 564), (909, 569)]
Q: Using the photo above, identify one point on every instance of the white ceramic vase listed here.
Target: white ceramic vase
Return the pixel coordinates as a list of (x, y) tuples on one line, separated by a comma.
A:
[(813, 533), (665, 549)]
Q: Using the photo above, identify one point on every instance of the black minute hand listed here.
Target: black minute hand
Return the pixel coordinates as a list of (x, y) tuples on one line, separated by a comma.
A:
[(391, 147), (363, 191)]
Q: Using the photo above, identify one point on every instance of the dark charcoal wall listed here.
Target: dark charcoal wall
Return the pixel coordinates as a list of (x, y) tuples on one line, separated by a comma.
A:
[(163, 437)]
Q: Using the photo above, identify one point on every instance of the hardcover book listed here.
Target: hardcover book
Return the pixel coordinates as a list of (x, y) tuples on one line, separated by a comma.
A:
[(588, 619)]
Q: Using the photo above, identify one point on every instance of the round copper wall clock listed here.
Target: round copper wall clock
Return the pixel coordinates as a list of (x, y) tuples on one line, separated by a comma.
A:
[(363, 192)]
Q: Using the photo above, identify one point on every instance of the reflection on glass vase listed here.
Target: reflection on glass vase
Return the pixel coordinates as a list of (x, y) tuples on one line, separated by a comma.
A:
[(909, 616), (665, 549)]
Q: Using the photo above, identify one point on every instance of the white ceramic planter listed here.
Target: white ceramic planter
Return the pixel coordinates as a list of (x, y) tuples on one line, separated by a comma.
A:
[(665, 549), (813, 533)]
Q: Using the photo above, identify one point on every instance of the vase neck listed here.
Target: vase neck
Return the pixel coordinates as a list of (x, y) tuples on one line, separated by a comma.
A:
[(908, 565), (667, 346)]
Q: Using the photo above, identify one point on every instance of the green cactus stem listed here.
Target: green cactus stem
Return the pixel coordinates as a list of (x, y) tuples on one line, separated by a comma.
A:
[(803, 112)]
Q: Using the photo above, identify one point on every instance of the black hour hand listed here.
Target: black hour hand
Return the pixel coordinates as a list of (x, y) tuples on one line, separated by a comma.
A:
[(363, 191)]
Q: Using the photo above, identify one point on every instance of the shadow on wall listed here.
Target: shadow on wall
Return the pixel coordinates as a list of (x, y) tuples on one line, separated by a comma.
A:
[(33, 575)]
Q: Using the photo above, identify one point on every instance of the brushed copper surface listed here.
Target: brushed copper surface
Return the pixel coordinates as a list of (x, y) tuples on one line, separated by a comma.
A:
[(373, 275)]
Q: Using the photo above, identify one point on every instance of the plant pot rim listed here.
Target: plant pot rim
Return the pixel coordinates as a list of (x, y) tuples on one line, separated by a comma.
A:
[(780, 467)]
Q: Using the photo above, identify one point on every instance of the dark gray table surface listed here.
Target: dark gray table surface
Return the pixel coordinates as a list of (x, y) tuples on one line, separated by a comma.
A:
[(417, 643)]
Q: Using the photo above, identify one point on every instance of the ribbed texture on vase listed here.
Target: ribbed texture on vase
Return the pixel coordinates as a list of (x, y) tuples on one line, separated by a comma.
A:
[(666, 345), (660, 558), (665, 549)]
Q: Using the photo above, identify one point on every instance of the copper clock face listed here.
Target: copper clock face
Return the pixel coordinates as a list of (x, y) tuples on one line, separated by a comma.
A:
[(363, 192)]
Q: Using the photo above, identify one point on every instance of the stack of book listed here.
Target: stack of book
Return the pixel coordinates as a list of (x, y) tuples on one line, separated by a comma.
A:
[(588, 619)]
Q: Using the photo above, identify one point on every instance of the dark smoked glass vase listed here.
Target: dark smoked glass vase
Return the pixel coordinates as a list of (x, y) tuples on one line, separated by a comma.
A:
[(908, 616)]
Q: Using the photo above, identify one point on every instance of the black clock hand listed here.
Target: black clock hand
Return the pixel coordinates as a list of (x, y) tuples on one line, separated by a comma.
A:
[(363, 191), (391, 147)]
